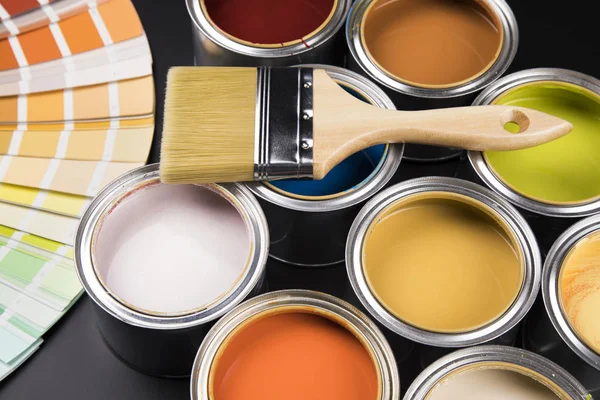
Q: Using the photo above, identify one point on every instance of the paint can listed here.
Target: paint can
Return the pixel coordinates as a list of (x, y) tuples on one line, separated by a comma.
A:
[(520, 373), (300, 302), (309, 221), (153, 316), (569, 187), (549, 329), (420, 70), (321, 42), (444, 228)]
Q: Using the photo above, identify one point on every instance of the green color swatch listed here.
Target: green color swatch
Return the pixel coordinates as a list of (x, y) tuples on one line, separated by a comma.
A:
[(567, 170)]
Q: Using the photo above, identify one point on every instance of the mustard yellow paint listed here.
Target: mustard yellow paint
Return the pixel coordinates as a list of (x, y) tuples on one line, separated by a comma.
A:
[(442, 262)]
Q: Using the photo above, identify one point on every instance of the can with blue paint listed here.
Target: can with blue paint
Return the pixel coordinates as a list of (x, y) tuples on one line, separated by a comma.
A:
[(309, 220)]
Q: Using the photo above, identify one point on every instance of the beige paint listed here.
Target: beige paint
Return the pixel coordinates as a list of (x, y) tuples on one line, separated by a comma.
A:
[(432, 43), (442, 262), (579, 289), (494, 383)]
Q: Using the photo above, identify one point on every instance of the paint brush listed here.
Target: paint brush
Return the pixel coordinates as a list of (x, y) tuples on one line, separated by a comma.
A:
[(243, 124)]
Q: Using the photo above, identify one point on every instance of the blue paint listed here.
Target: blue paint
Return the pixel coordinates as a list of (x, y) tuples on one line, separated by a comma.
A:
[(350, 173)]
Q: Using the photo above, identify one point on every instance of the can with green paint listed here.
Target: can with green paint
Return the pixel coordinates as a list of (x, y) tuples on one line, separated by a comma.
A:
[(560, 178)]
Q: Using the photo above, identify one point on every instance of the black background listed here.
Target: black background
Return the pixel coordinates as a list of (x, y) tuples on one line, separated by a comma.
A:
[(74, 362)]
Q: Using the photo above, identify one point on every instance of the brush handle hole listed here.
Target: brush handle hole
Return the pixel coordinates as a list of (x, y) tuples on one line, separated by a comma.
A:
[(515, 121)]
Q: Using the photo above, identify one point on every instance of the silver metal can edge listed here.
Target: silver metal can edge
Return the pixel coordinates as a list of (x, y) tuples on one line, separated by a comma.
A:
[(426, 380), (383, 176), (202, 23), (390, 379), (525, 236), (485, 173), (505, 58), (257, 225), (550, 276)]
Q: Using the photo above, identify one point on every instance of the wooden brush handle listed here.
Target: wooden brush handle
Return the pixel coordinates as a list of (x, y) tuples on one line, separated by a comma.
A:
[(344, 125)]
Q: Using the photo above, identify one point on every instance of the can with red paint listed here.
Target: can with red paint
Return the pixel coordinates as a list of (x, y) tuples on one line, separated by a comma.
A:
[(267, 32)]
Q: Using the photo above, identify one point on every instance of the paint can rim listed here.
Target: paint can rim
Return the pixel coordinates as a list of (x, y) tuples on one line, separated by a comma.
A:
[(325, 304), (364, 190), (550, 287), (503, 61), (511, 217), (83, 256), (203, 23), (441, 368), (483, 170)]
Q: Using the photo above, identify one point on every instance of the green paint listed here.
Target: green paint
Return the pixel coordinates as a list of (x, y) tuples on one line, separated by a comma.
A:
[(566, 170)]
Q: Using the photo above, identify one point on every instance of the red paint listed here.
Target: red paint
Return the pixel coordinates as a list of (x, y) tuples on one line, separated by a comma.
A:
[(268, 21)]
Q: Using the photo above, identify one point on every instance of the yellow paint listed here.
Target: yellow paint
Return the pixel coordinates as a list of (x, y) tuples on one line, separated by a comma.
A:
[(442, 262), (580, 289)]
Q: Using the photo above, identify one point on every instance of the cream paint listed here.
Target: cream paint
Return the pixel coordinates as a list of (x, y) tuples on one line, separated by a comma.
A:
[(491, 384), (172, 249)]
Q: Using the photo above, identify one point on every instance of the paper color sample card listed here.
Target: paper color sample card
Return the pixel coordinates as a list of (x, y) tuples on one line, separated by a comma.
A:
[(76, 112), (6, 369), (117, 145), (55, 202), (129, 98), (40, 15), (111, 22)]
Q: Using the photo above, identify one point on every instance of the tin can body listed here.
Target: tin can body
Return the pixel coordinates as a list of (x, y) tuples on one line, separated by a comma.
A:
[(213, 47), (501, 357), (484, 171), (156, 343), (303, 301), (311, 231), (434, 344), (547, 330), (412, 97)]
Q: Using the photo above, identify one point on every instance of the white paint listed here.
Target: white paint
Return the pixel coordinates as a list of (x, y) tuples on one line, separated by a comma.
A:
[(491, 384), (171, 249)]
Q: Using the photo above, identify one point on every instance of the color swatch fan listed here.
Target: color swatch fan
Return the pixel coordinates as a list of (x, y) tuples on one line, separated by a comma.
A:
[(76, 111)]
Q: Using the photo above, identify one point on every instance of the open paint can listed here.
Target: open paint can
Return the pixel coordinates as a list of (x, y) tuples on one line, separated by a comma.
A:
[(310, 219), (267, 32), (300, 342), (495, 372), (559, 178), (567, 330), (163, 262), (444, 262), (431, 53)]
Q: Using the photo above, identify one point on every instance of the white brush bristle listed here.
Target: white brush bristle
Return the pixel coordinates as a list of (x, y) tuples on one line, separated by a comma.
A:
[(208, 132)]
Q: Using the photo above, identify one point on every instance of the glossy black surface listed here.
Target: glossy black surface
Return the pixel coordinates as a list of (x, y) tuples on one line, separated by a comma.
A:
[(74, 363)]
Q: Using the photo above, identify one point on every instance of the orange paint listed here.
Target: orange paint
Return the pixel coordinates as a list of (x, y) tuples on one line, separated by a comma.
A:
[(293, 356), (80, 33), (39, 46)]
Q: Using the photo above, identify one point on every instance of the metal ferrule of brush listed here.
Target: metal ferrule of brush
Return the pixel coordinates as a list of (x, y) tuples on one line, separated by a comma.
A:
[(283, 144)]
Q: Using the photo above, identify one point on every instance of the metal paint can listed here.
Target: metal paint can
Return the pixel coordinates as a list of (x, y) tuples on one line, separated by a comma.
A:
[(512, 359), (212, 46), (304, 301), (410, 96), (485, 172), (433, 344), (156, 343), (547, 329), (311, 231)]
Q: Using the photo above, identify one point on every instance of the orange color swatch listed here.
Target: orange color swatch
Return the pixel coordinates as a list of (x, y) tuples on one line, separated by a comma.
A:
[(80, 32), (128, 98), (294, 356)]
